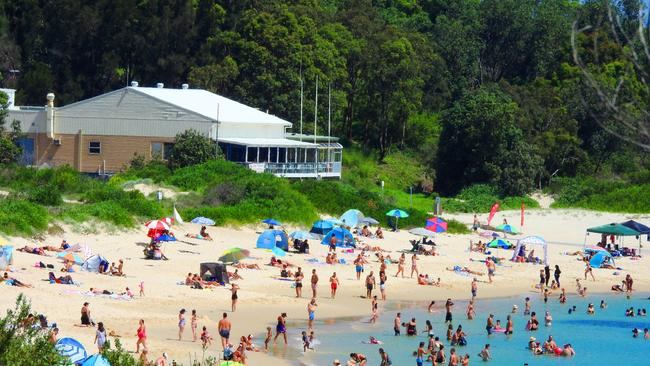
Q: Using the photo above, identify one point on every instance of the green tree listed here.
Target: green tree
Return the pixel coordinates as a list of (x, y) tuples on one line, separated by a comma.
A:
[(191, 148), (9, 151), (20, 341), (481, 143)]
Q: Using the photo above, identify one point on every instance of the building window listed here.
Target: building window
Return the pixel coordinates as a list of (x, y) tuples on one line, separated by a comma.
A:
[(94, 147), (156, 150), (161, 150)]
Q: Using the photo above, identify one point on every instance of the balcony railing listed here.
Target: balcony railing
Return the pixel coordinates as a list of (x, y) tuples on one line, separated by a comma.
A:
[(299, 170)]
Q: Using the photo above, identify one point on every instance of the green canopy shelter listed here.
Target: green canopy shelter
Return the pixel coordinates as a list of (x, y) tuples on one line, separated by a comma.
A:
[(613, 229)]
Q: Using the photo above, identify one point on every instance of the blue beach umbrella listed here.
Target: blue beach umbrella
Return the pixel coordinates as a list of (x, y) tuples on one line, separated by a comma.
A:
[(499, 243), (72, 349), (397, 213), (321, 227), (273, 222), (203, 221), (301, 235), (369, 221), (507, 228)]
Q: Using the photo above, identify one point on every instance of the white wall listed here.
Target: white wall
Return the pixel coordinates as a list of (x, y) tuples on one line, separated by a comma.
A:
[(249, 130)]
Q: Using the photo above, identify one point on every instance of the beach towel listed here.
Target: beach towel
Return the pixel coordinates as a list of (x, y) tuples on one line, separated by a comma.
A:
[(90, 294)]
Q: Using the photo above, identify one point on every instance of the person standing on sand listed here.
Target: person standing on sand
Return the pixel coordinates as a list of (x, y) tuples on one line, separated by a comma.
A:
[(370, 284), (629, 282), (100, 336), (141, 333), (224, 327), (382, 284), (298, 276), (542, 280), (547, 274), (414, 265), (334, 284), (181, 324), (332, 243), (400, 265), (233, 297), (374, 308), (311, 313), (314, 283), (358, 265), (281, 328), (194, 325), (491, 268), (474, 287), (85, 316), (588, 270), (557, 274)]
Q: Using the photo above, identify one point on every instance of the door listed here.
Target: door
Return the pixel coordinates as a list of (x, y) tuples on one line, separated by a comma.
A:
[(27, 156)]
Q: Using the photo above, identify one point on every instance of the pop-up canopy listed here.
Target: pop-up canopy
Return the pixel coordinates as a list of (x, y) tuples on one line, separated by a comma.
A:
[(613, 229)]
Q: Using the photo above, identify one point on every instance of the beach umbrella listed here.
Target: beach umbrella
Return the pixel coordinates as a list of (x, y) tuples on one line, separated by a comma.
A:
[(203, 221), (273, 222), (165, 237), (156, 225), (499, 243), (369, 221), (301, 235), (234, 255), (72, 349), (436, 224), (72, 257), (278, 252), (507, 228), (168, 220), (96, 360), (420, 231), (397, 213)]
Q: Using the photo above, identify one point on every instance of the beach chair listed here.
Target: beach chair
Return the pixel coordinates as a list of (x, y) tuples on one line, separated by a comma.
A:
[(415, 246)]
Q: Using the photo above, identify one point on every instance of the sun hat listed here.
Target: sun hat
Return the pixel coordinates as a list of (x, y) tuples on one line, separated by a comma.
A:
[(336, 362), (532, 339)]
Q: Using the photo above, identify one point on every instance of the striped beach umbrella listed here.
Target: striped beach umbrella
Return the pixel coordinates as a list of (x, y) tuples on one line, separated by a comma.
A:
[(72, 349), (156, 225)]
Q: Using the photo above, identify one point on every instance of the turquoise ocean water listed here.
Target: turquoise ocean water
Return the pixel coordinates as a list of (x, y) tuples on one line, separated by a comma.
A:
[(601, 339)]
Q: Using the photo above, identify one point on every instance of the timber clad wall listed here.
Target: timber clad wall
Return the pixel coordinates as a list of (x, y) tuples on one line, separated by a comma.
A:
[(116, 151)]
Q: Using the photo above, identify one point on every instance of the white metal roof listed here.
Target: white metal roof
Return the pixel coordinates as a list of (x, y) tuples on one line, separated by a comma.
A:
[(260, 142), (205, 103)]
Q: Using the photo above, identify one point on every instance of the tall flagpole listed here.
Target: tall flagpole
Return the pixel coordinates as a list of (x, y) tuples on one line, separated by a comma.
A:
[(329, 122), (316, 128), (301, 102)]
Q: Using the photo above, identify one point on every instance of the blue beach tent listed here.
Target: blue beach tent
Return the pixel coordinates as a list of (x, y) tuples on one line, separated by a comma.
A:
[(270, 239), (321, 227), (345, 238), (601, 257), (96, 360), (352, 218)]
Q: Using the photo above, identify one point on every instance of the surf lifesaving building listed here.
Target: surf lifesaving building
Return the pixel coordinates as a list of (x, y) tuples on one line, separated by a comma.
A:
[(101, 135)]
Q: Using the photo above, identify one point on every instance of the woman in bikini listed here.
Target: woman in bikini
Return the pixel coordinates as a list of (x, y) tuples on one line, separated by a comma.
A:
[(400, 265), (194, 325), (414, 264)]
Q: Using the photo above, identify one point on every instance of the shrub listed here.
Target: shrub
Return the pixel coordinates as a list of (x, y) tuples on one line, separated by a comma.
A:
[(191, 148), (457, 227), (481, 197), (47, 195), (19, 343), (118, 355), (601, 195), (22, 217)]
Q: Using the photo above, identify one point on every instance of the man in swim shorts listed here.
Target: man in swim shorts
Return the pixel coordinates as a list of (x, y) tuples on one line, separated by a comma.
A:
[(224, 327), (448, 305), (370, 284), (397, 322)]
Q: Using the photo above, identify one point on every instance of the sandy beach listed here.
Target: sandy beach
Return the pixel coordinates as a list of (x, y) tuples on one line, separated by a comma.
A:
[(262, 298)]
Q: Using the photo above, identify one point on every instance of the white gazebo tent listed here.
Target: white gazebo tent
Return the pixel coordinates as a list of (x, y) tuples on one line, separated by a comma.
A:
[(530, 241)]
